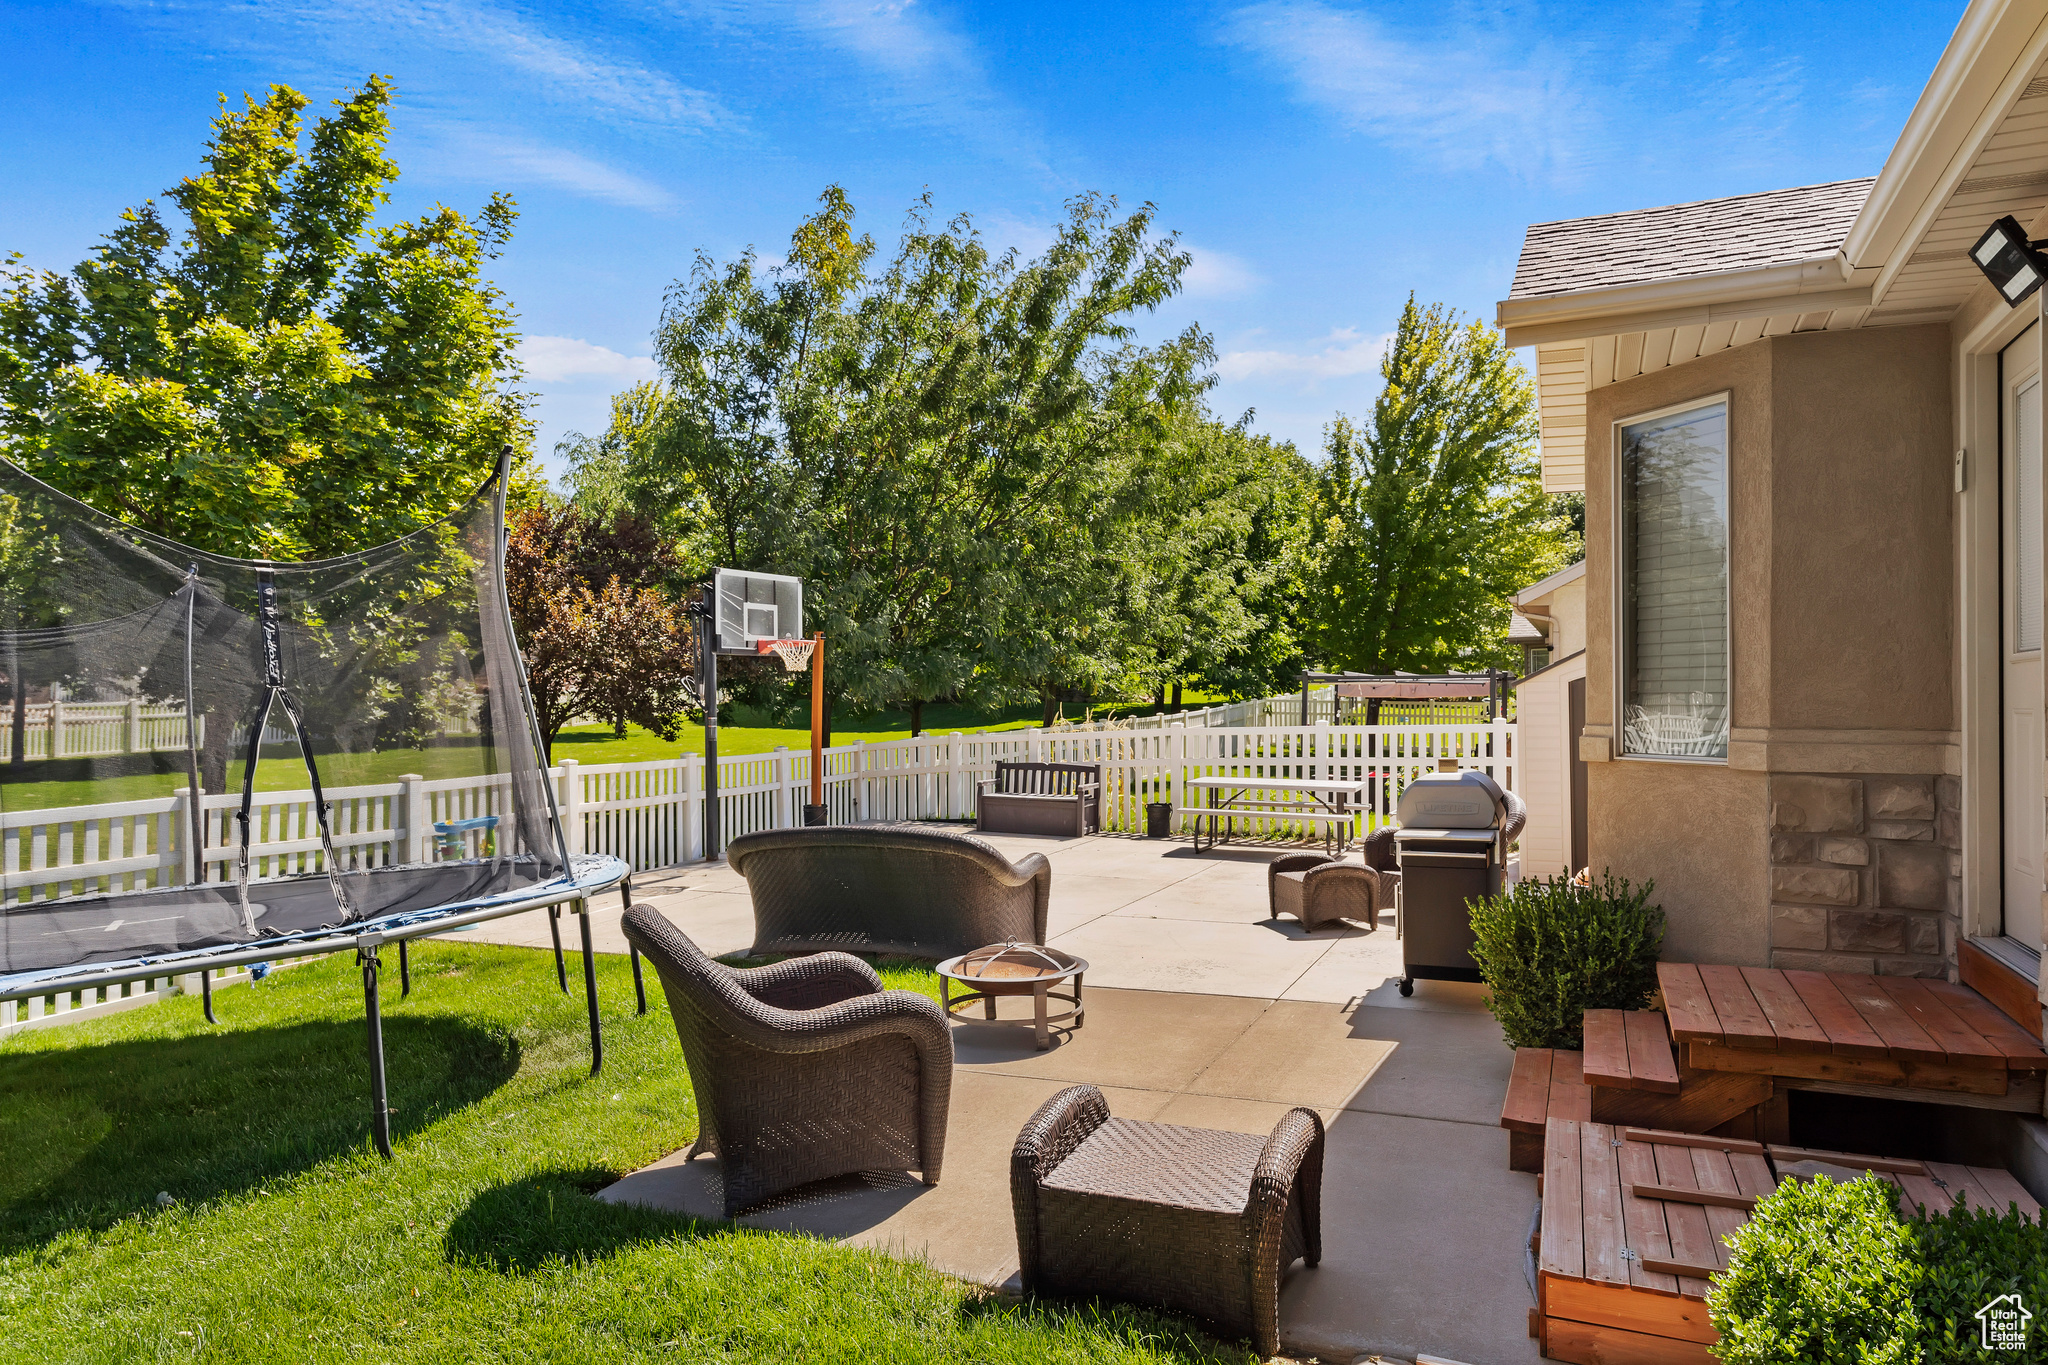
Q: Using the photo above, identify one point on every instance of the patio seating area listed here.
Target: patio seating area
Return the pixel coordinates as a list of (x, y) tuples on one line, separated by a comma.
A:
[(1202, 1011)]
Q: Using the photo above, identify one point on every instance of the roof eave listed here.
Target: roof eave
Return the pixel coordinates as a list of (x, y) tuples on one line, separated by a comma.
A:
[(1811, 285), (1996, 47), (1576, 569)]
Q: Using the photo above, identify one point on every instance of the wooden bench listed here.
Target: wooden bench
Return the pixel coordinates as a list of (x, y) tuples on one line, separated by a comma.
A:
[(1545, 1084), (1040, 798), (1635, 1223)]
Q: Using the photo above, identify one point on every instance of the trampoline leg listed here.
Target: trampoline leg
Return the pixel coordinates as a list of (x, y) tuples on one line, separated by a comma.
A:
[(555, 931), (206, 993), (639, 982), (590, 989), (380, 1104), (404, 972)]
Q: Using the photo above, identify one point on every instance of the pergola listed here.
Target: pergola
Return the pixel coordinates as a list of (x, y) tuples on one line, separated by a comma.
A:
[(1492, 685)]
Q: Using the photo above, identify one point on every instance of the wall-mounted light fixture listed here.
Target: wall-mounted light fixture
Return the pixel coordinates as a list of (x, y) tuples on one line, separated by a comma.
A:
[(2009, 260)]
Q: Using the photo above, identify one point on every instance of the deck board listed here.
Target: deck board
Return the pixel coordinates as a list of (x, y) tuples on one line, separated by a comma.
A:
[(1528, 1101), (1600, 1203), (1563, 1237), (1606, 1050), (1686, 1005), (1742, 1019), (1644, 1219), (1787, 1014), (1692, 1239), (1904, 1040), (2021, 1050), (1569, 1098), (1650, 1063), (1848, 1034), (1963, 1045)]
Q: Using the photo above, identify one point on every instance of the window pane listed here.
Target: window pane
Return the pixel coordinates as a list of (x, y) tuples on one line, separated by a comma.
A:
[(1674, 611)]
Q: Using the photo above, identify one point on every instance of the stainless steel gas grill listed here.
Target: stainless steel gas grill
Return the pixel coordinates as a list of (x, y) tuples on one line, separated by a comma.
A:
[(1452, 847)]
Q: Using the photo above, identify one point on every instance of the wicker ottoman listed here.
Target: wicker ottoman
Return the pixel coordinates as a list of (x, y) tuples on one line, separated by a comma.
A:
[(1185, 1218)]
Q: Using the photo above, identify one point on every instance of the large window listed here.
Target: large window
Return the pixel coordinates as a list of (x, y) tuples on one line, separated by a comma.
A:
[(1674, 583)]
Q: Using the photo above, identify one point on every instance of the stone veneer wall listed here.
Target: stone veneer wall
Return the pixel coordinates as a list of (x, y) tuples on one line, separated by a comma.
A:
[(1866, 875)]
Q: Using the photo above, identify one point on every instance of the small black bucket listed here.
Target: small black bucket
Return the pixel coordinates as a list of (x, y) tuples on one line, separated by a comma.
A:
[(813, 815), (1158, 819)]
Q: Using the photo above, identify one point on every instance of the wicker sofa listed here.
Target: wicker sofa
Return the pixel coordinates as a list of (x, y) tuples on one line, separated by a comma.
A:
[(888, 889), (1187, 1218), (802, 1070)]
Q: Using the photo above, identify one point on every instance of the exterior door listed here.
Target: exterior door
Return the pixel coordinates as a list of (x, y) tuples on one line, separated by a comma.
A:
[(2024, 751)]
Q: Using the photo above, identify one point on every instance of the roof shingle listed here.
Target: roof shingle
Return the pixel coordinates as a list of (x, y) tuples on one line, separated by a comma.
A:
[(1748, 231)]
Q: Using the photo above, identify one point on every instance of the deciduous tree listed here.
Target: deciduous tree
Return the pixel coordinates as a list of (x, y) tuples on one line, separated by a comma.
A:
[(280, 377), (1432, 514), (600, 635)]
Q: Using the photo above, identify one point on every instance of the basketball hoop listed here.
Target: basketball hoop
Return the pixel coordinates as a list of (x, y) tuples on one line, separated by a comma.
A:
[(795, 654)]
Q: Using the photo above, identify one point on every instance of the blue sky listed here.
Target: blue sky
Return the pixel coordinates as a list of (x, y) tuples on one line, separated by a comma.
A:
[(1320, 159)]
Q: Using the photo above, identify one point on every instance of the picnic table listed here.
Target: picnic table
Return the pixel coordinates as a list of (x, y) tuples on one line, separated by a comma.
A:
[(1328, 804), (1902, 1036)]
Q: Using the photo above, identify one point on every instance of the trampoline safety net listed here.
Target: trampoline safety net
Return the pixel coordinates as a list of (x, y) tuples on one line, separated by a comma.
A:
[(198, 751)]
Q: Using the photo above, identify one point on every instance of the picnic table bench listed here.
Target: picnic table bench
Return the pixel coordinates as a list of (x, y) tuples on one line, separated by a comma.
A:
[(1330, 805)]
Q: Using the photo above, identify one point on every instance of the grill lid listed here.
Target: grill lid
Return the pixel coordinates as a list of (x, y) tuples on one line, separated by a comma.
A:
[(1466, 799)]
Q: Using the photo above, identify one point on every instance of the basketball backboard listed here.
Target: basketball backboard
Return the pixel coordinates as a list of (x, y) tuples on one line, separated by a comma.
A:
[(753, 607)]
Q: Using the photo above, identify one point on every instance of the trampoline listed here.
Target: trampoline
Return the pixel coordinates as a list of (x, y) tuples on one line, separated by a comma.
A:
[(157, 843)]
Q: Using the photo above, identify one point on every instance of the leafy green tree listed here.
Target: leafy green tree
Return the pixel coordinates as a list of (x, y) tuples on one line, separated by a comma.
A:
[(597, 631), (939, 445), (283, 378), (1429, 517)]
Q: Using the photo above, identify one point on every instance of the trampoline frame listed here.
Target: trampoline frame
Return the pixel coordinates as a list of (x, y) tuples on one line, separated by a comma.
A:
[(598, 875)]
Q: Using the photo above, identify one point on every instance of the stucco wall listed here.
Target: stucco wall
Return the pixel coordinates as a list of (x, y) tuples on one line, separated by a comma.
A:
[(1840, 614), (1863, 576)]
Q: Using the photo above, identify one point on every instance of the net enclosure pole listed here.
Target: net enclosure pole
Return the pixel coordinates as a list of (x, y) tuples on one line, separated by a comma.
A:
[(590, 988), (380, 1102), (818, 719)]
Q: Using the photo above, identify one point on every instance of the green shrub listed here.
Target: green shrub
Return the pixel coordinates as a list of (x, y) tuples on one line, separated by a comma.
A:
[(1549, 951), (1968, 1257), (1821, 1273)]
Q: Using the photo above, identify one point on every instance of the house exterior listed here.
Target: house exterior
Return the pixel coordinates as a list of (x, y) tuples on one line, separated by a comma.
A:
[(1550, 716), (1809, 435)]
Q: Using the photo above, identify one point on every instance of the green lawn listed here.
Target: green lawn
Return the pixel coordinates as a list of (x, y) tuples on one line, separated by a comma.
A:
[(41, 786), (290, 1240)]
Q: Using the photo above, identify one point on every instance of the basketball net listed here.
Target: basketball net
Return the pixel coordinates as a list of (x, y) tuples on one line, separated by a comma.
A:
[(795, 654)]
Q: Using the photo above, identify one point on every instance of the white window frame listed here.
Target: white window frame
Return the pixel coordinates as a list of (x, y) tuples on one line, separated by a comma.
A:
[(1618, 588)]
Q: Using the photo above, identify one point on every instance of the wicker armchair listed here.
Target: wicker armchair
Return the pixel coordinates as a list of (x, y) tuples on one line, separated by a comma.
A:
[(1318, 889), (888, 889), (1187, 1218), (803, 1070)]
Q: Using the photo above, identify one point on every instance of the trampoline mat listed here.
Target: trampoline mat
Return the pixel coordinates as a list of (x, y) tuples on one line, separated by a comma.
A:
[(104, 930)]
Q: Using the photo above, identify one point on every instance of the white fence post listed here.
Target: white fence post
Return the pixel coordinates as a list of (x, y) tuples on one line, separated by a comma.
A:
[(956, 776), (56, 728), (692, 780), (781, 816), (572, 804), (415, 815), (135, 725)]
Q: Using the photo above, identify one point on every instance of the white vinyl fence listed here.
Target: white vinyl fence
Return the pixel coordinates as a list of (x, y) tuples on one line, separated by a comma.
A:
[(93, 729), (652, 814)]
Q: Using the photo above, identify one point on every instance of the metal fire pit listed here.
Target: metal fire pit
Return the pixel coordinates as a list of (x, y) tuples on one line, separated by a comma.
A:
[(1022, 969)]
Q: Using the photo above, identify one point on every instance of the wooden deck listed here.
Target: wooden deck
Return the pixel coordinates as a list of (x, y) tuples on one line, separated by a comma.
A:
[(1635, 1223), (1860, 1034)]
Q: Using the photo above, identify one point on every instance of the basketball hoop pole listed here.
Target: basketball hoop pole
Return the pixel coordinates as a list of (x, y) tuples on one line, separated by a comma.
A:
[(708, 693), (818, 720)]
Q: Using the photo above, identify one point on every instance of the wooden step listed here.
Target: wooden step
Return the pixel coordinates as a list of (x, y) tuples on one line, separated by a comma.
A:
[(1630, 1050), (1705, 1101), (1546, 1083)]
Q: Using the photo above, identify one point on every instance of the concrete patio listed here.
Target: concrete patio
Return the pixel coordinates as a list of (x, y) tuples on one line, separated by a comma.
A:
[(1201, 1011)]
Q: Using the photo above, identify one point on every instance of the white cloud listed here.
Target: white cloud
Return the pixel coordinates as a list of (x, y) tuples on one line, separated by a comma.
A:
[(471, 153), (1472, 97), (551, 360), (565, 69), (919, 66), (1344, 353), (1217, 275)]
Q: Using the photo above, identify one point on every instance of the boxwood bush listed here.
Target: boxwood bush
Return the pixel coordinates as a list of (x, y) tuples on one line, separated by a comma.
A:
[(1549, 950), (1829, 1274), (1821, 1272)]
